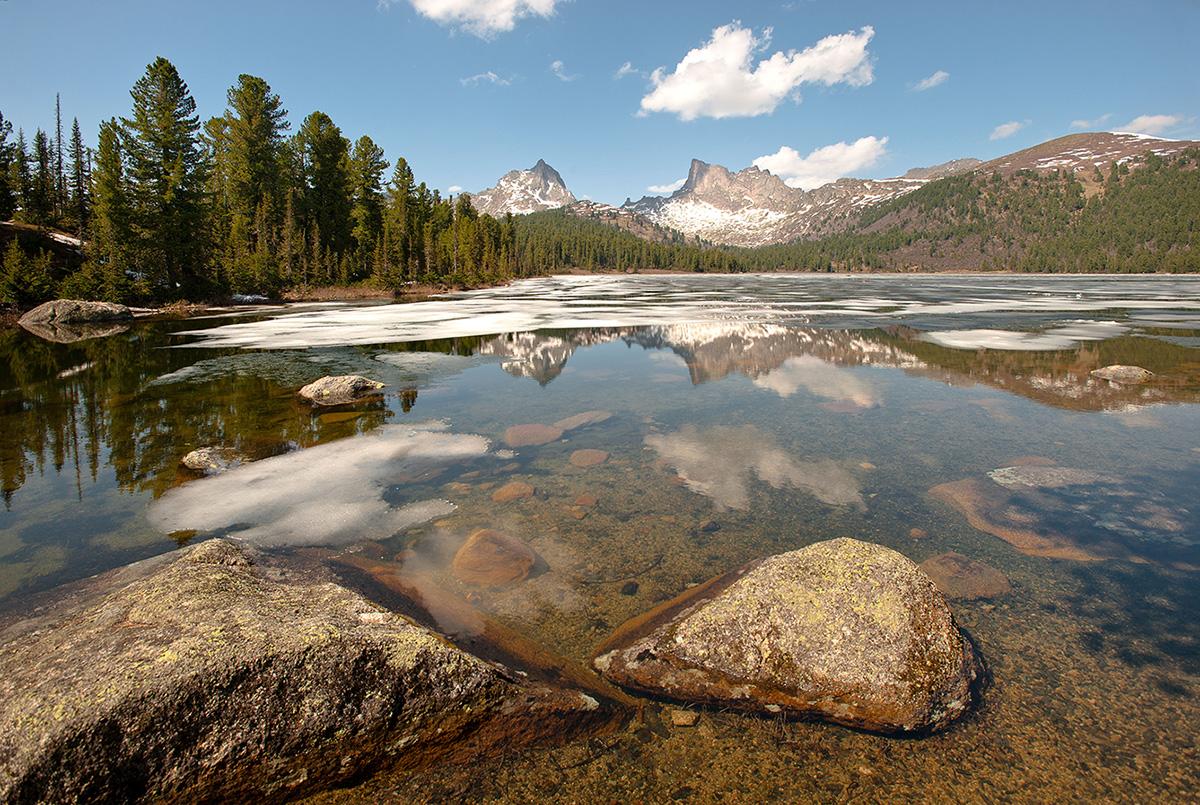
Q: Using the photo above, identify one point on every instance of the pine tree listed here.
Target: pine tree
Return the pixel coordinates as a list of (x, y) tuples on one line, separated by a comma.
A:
[(80, 189), (8, 190), (166, 183), (106, 250), (325, 165), (23, 179), (256, 122), (40, 203), (367, 169)]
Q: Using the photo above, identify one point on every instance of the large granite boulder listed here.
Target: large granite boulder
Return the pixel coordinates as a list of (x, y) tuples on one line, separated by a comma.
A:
[(1119, 373), (207, 676), (341, 390), (75, 311), (66, 321), (845, 631)]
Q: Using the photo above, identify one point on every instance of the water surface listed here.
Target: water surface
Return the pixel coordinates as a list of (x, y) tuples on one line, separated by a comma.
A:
[(749, 415)]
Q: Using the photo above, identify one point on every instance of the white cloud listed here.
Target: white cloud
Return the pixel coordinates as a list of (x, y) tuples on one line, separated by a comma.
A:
[(626, 69), (455, 188), (1091, 124), (823, 165), (560, 71), (1152, 124), (935, 80), (667, 188), (484, 18), (1007, 129), (489, 77), (720, 79)]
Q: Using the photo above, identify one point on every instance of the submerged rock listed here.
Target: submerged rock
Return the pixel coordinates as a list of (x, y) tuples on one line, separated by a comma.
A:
[(965, 579), (493, 559), (583, 420), (340, 390), (531, 435), (843, 630), (513, 490), (1118, 373), (75, 311), (212, 460), (203, 676), (588, 458)]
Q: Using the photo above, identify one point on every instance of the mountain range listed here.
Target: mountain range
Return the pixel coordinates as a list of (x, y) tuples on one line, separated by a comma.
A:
[(752, 207)]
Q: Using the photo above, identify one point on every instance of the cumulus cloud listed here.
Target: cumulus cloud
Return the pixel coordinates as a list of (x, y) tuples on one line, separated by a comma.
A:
[(626, 69), (489, 77), (819, 378), (823, 165), (1152, 124), (484, 18), (721, 79), (1007, 129), (1095, 123), (929, 82), (667, 188), (560, 71), (455, 188)]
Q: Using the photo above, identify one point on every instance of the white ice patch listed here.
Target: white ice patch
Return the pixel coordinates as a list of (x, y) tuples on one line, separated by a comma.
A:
[(999, 339), (326, 495)]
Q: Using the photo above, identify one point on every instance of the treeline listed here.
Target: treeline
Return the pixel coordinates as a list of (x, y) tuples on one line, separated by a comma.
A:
[(169, 207)]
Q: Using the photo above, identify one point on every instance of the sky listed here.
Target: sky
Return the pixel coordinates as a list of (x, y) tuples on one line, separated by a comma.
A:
[(620, 95)]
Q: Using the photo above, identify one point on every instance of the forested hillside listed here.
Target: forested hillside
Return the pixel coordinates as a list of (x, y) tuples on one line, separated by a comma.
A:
[(166, 206)]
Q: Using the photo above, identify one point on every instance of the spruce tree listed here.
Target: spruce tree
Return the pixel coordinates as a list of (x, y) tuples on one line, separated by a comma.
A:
[(80, 180), (110, 225), (40, 203), (8, 190), (166, 183), (23, 181), (325, 165), (256, 122), (60, 174), (367, 169)]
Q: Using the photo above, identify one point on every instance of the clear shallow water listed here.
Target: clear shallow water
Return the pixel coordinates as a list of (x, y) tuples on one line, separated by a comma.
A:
[(749, 416)]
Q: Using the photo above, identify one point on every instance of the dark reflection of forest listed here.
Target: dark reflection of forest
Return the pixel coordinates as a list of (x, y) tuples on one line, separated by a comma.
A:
[(74, 407)]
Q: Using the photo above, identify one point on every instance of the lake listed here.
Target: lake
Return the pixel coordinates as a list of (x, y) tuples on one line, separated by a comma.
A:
[(689, 424)]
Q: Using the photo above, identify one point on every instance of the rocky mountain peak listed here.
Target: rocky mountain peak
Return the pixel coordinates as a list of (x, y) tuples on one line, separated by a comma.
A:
[(521, 192)]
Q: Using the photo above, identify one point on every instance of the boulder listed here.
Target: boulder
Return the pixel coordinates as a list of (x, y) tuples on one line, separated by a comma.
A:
[(75, 311), (1128, 375), (205, 676), (965, 579), (340, 390), (211, 460), (531, 435), (588, 458), (492, 559), (843, 630)]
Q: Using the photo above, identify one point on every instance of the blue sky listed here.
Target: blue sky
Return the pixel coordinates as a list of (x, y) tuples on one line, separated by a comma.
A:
[(401, 71)]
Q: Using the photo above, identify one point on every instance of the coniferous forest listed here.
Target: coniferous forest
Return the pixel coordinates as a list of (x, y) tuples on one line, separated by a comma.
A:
[(168, 206)]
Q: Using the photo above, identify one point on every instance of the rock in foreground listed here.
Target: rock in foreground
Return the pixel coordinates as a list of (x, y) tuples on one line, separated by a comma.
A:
[(202, 676), (843, 630), (493, 559), (340, 390), (211, 460)]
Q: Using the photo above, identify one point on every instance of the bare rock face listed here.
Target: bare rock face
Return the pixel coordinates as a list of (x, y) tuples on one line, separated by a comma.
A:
[(1127, 375), (340, 390), (65, 321), (965, 579), (203, 676), (843, 630), (492, 559)]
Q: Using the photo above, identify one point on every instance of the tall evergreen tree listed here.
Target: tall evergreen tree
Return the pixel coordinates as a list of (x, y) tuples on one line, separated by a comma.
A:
[(60, 174), (23, 178), (110, 224), (256, 122), (80, 180), (166, 183), (325, 166), (367, 167), (40, 204), (8, 190)]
